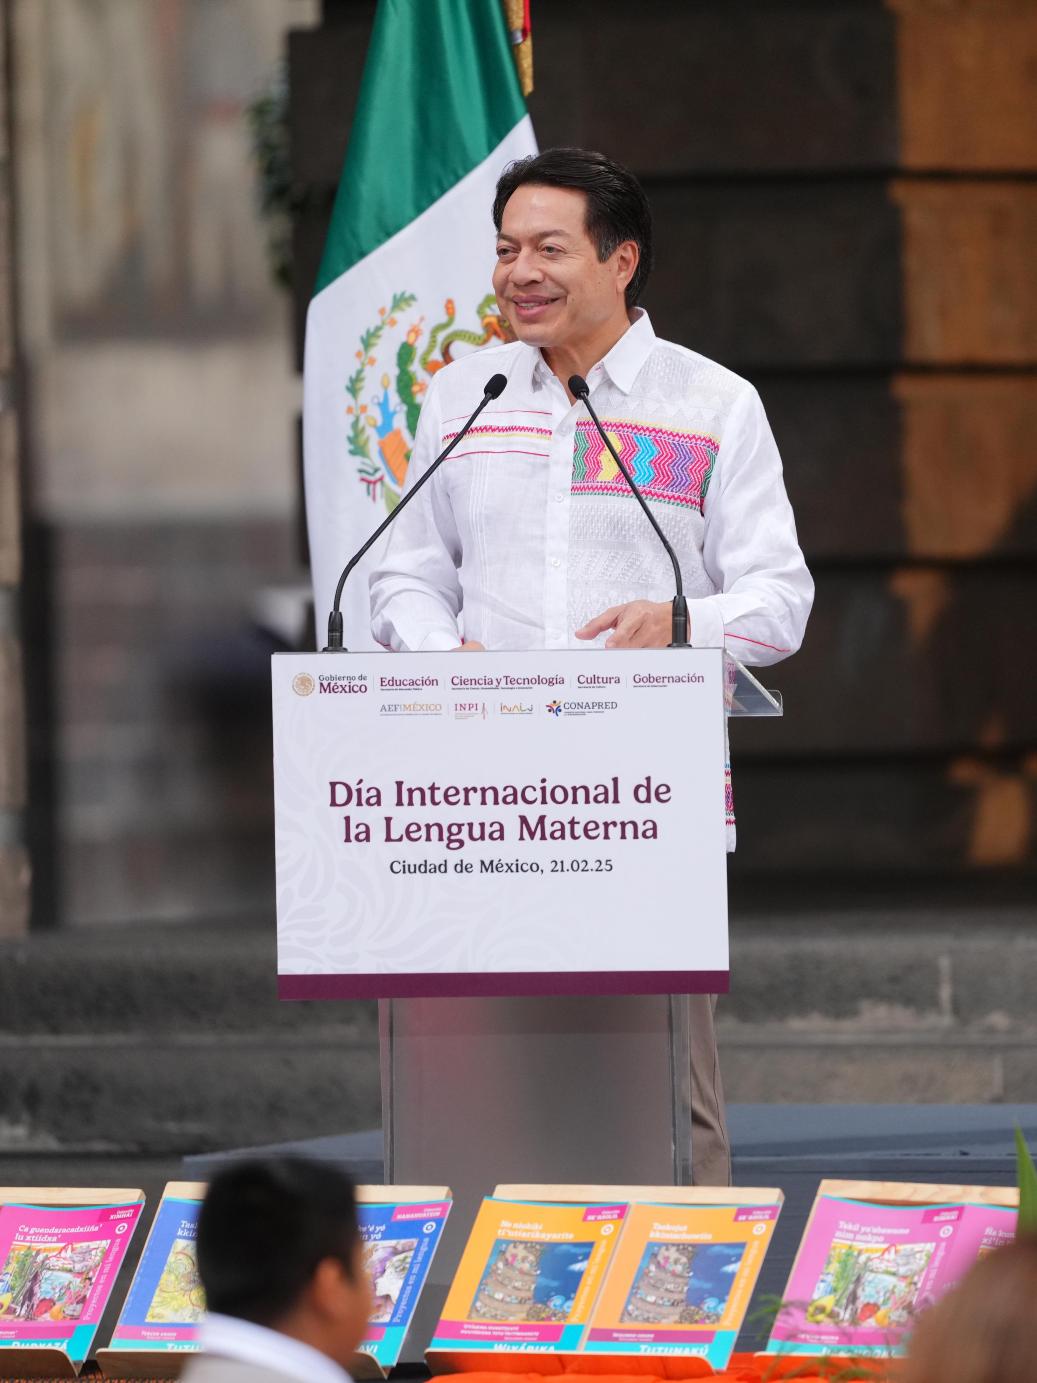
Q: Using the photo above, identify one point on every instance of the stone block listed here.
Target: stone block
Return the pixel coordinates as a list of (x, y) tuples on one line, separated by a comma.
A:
[(170, 873), (325, 66), (672, 89), (994, 977), (887, 819), (15, 891), (933, 466), (200, 979), (188, 1095), (970, 291), (1020, 1074), (906, 660), (768, 1069), (10, 497), (840, 441), (7, 296), (965, 81), (13, 786), (845, 969), (786, 275), (5, 59), (968, 465)]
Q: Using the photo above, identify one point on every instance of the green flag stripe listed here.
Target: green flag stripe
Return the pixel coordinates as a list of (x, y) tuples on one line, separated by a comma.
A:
[(439, 93)]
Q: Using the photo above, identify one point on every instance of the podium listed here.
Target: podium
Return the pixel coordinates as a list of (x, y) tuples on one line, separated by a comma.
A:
[(523, 857)]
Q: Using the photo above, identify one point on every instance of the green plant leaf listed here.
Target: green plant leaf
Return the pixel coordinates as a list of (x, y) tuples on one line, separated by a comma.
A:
[(1027, 1177)]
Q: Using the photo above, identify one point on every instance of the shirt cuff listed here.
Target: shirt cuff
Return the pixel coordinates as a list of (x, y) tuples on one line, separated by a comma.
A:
[(706, 623), (438, 641)]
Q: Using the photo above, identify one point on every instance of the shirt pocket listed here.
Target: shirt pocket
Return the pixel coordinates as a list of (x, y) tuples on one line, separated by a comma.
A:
[(499, 470)]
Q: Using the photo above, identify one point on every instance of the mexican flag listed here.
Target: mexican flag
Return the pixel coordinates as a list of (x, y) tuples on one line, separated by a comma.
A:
[(404, 284)]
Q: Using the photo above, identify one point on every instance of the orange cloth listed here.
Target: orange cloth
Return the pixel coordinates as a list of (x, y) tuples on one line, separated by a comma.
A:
[(743, 1368)]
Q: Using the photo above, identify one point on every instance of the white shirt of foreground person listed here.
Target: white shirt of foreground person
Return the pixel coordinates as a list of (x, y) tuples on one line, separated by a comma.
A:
[(528, 530), (233, 1350)]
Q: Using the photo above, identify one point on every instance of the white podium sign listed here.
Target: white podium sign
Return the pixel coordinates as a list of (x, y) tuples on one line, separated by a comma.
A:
[(500, 823)]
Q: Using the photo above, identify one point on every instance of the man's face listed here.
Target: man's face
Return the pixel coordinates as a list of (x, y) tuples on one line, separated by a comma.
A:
[(549, 282)]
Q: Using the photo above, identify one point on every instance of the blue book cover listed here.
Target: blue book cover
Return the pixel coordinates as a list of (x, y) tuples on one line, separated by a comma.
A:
[(166, 1300), (400, 1241)]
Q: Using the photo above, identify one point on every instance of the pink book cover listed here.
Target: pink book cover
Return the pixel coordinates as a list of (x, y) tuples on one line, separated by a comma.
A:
[(865, 1271), (57, 1269)]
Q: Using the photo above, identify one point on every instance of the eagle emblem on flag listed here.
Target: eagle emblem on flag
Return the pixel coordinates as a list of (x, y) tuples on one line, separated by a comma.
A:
[(383, 419)]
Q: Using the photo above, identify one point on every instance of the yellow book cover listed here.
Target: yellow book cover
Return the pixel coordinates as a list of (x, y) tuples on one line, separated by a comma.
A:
[(681, 1280), (529, 1277)]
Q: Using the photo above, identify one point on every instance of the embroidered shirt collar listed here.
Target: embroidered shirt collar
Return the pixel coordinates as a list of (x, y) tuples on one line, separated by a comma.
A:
[(622, 364)]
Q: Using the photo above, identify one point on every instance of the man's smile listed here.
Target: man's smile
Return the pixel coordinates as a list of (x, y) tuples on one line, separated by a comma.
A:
[(530, 306)]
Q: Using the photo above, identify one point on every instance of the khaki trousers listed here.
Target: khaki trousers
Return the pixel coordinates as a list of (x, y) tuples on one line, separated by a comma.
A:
[(710, 1146)]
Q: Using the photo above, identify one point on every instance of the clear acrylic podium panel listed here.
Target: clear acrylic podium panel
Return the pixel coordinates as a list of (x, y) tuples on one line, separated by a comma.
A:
[(540, 1090)]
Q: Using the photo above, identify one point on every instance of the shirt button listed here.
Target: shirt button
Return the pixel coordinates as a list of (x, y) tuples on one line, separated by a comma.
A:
[(559, 499), (556, 561)]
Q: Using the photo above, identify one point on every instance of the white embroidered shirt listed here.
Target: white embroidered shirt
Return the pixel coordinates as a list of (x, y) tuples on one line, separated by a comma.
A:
[(528, 529)]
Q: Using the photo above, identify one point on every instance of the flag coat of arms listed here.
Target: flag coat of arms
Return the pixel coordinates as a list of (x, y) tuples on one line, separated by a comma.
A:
[(404, 283)]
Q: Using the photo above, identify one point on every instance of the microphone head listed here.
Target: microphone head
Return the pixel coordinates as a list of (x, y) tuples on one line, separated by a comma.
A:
[(495, 386), (578, 387)]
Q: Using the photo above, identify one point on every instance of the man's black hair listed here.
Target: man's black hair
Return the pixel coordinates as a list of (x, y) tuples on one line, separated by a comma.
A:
[(263, 1229), (617, 208)]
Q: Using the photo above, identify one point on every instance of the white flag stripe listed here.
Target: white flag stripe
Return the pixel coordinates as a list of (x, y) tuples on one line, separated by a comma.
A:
[(445, 253)]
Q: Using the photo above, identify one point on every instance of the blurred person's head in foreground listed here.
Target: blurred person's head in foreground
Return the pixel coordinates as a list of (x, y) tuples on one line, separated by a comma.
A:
[(279, 1247), (985, 1329)]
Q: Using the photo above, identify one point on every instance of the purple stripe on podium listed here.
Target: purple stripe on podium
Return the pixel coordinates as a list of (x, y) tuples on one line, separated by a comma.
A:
[(477, 986)]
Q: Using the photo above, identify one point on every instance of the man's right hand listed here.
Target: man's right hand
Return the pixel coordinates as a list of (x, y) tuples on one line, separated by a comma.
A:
[(470, 646)]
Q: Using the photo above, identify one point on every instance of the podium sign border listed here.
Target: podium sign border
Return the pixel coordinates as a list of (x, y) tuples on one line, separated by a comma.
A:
[(306, 669)]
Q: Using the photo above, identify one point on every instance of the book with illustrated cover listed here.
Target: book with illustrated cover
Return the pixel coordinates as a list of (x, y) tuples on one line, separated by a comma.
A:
[(166, 1301), (59, 1257), (681, 1280), (865, 1269), (529, 1277), (400, 1239), (654, 1272)]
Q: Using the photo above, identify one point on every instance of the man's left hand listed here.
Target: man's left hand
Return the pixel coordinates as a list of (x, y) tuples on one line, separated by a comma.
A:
[(638, 624)]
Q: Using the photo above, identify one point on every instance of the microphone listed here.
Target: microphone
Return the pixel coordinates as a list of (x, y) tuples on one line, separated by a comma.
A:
[(679, 628), (494, 388)]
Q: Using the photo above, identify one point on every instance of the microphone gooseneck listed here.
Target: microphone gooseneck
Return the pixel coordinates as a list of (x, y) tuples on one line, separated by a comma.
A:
[(579, 389), (495, 386)]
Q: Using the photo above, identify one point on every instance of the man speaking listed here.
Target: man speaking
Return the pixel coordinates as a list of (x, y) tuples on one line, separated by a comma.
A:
[(529, 537)]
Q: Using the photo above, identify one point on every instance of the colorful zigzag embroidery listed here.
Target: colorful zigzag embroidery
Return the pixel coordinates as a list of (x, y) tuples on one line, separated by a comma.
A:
[(502, 439), (671, 467)]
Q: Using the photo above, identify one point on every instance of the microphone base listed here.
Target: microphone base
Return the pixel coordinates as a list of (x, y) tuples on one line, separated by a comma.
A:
[(679, 627), (335, 642)]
